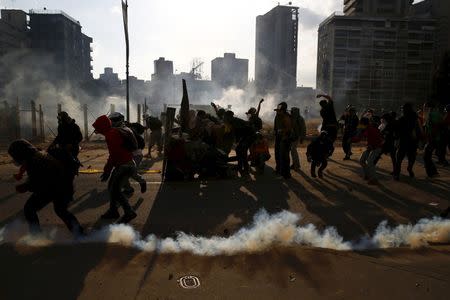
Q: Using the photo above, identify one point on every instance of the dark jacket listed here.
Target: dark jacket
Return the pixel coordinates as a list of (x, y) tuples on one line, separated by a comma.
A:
[(351, 123), (298, 127), (408, 129), (69, 134), (320, 148), (283, 126), (255, 122)]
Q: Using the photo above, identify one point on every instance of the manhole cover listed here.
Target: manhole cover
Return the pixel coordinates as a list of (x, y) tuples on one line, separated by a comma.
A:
[(189, 282)]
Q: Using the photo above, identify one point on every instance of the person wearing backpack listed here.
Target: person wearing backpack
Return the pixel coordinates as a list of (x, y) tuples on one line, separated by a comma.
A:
[(134, 142), (118, 169)]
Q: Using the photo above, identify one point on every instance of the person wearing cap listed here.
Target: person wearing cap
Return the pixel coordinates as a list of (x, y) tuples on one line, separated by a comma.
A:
[(66, 145), (351, 122), (283, 139), (328, 114), (298, 135)]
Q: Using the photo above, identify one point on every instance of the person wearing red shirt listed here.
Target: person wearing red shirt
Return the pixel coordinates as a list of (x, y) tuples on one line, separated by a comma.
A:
[(119, 168), (374, 149)]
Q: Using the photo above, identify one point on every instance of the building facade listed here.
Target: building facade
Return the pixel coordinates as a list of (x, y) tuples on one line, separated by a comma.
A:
[(376, 61), (163, 69), (228, 71), (110, 78), (59, 36), (276, 50), (13, 31), (373, 8)]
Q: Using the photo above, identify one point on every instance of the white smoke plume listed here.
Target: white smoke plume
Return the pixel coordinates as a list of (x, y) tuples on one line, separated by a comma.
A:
[(266, 231)]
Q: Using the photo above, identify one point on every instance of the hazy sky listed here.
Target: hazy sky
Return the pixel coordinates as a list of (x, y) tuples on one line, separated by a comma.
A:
[(181, 30)]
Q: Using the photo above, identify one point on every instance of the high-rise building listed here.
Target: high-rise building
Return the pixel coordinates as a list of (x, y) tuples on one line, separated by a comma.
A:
[(110, 78), (276, 50), (377, 7), (13, 31), (229, 71), (374, 60), (55, 34), (163, 69)]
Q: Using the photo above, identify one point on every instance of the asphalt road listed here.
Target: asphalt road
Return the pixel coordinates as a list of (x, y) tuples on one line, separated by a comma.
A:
[(342, 199)]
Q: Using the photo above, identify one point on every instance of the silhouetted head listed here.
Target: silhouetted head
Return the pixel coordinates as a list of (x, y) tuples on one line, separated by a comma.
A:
[(407, 108), (295, 111), (281, 108), (251, 111), (201, 114), (64, 118), (221, 113), (21, 151), (228, 117), (102, 124), (323, 103)]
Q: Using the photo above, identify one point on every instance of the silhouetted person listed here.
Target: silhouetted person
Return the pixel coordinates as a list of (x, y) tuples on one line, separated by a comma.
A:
[(155, 126), (120, 163), (408, 133), (283, 139), (298, 135), (245, 136), (66, 145), (48, 182), (328, 114), (388, 131), (351, 122), (318, 152), (433, 138), (253, 117)]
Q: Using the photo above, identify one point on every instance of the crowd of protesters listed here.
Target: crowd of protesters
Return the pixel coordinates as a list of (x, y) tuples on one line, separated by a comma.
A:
[(205, 150)]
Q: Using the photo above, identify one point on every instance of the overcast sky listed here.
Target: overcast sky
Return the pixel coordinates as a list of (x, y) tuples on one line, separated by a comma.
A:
[(181, 30)]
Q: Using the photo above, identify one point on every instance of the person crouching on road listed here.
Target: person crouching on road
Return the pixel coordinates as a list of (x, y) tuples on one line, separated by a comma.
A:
[(120, 163), (318, 152), (49, 181), (374, 149)]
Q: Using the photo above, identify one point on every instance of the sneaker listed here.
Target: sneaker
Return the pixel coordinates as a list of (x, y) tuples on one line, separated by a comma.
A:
[(127, 217), (110, 215), (143, 185), (320, 173)]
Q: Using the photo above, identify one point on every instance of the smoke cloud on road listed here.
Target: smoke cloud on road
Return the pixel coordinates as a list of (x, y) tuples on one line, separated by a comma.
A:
[(266, 231)]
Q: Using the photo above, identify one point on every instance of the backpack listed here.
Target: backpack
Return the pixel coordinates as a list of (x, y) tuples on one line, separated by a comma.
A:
[(129, 140)]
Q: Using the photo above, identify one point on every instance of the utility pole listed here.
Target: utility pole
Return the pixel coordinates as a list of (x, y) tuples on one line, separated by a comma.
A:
[(139, 114), (33, 120), (127, 42), (41, 124)]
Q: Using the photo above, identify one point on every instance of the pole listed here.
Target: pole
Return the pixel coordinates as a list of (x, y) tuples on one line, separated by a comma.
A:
[(33, 120), (59, 108), (127, 42), (139, 114), (86, 130), (41, 124), (112, 109), (17, 119)]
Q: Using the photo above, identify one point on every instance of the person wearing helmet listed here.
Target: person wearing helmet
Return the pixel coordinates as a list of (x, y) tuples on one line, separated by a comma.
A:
[(318, 152), (283, 140)]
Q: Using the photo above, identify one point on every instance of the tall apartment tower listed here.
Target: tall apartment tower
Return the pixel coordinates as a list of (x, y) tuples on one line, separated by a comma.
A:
[(163, 69), (276, 50), (377, 55), (55, 34), (377, 7)]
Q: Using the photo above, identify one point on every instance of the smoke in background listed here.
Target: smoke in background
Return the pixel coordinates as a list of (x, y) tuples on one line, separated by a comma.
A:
[(266, 231)]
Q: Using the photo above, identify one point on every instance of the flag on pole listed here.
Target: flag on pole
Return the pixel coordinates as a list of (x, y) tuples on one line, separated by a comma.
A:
[(125, 24)]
